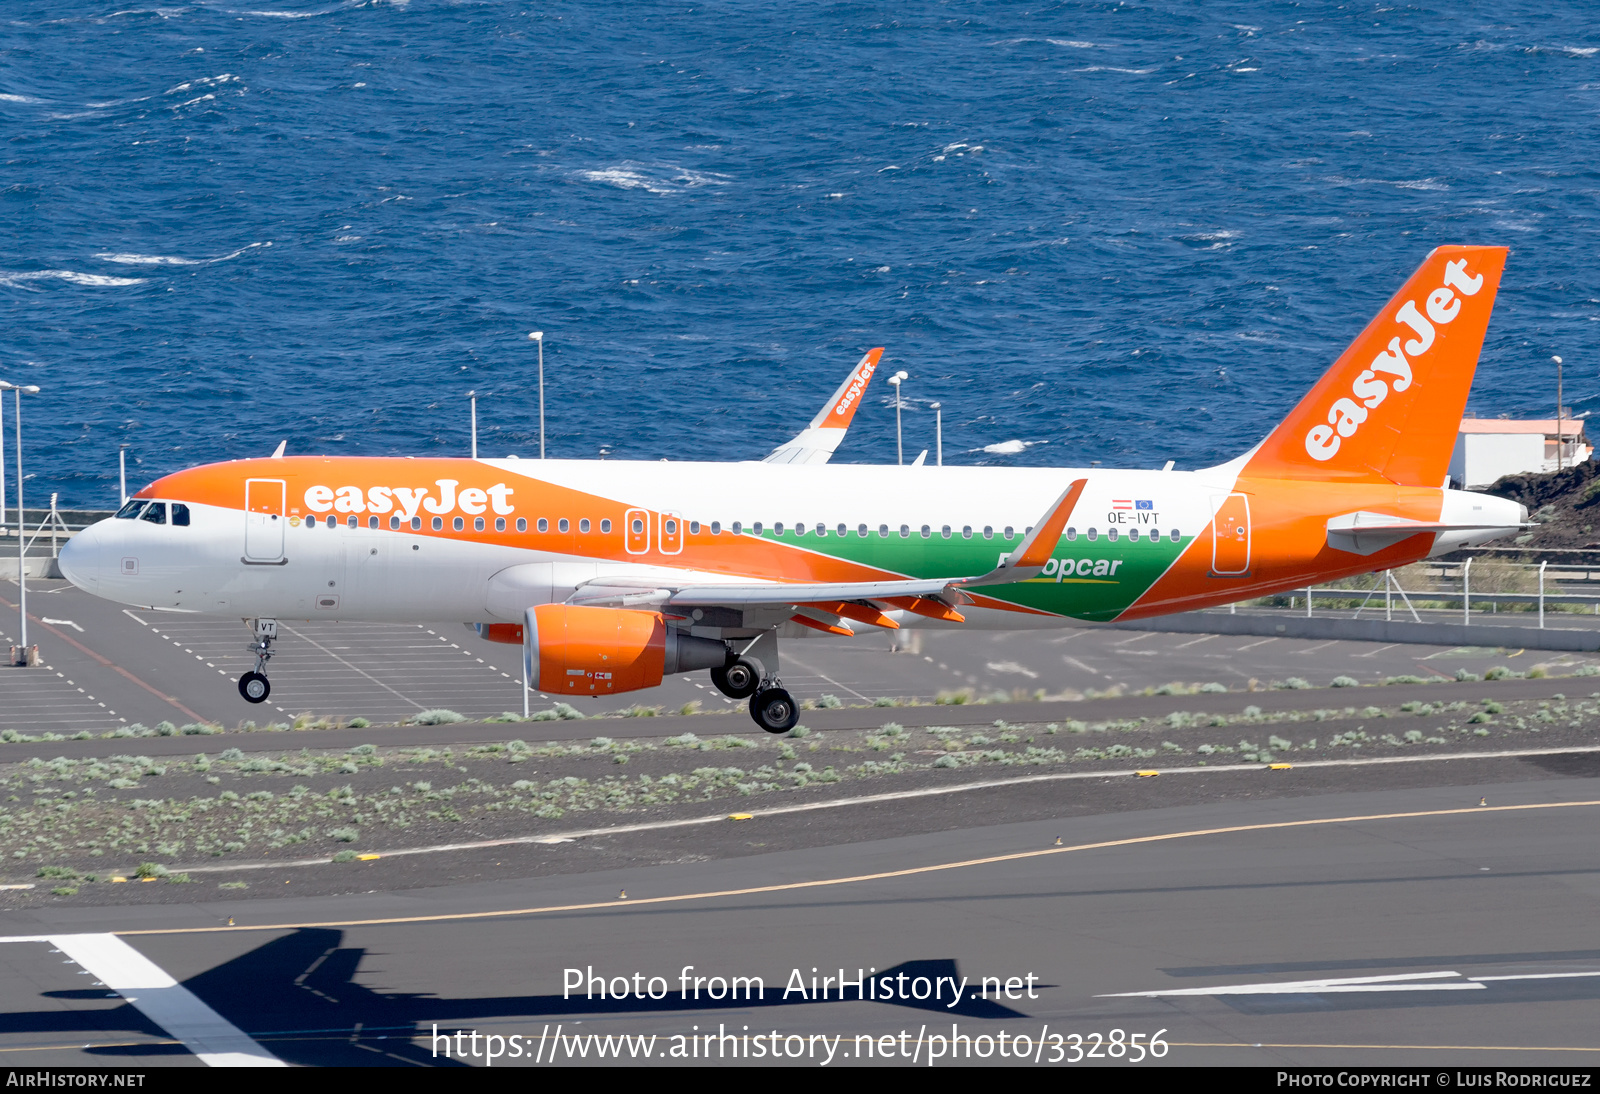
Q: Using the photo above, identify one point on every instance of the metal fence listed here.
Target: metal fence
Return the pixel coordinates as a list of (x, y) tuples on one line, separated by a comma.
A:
[(44, 531), (1561, 585)]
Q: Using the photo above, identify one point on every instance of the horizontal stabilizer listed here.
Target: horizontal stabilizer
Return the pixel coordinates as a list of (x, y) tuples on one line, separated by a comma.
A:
[(1365, 533)]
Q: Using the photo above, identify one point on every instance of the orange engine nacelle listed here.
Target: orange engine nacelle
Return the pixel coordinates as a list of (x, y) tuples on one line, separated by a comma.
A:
[(509, 633), (574, 650)]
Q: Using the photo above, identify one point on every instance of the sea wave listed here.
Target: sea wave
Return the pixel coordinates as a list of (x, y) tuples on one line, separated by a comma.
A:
[(21, 279), (132, 259)]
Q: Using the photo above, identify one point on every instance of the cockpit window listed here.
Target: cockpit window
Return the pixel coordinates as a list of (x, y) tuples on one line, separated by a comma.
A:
[(131, 510), (180, 514), (156, 513)]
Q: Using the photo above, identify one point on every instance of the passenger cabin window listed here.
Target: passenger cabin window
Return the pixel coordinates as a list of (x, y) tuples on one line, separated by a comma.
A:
[(180, 514), (1111, 533), (694, 528), (1093, 534), (738, 528), (499, 524), (522, 524), (477, 524), (131, 510), (438, 523), (1133, 534), (861, 531), (905, 531), (156, 513), (351, 521), (583, 525), (883, 531), (1072, 533), (988, 532), (564, 524), (1010, 533), (966, 531), (605, 526), (372, 522), (756, 527), (394, 523), (1174, 535), (716, 527), (544, 524)]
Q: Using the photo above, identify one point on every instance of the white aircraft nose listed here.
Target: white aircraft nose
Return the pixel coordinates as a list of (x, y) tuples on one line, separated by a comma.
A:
[(83, 557)]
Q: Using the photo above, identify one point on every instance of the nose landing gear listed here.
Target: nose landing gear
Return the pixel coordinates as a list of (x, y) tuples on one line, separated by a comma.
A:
[(254, 686)]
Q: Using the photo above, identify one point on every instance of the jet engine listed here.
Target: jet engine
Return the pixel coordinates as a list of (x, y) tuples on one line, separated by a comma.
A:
[(575, 650)]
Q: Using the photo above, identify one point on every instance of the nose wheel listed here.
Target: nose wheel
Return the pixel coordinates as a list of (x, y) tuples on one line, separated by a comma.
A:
[(254, 687), (774, 710)]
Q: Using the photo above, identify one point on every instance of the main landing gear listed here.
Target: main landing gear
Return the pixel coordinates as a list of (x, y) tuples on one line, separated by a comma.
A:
[(254, 686), (737, 680), (774, 709)]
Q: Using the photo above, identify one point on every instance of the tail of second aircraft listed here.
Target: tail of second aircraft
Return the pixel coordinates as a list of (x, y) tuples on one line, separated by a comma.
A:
[(1390, 407)]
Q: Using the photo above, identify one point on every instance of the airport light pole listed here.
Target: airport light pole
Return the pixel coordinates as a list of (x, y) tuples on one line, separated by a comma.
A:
[(473, 397), (538, 336), (1560, 438), (3, 463), (22, 577), (899, 444), (938, 436)]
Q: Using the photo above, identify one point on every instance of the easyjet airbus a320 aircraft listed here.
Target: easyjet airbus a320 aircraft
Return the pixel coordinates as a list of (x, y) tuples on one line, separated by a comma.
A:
[(612, 574)]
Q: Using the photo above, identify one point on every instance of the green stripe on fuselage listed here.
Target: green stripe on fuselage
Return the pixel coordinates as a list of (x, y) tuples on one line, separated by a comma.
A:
[(1127, 568)]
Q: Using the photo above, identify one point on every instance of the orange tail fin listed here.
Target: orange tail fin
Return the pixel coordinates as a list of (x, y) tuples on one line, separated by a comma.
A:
[(1390, 407)]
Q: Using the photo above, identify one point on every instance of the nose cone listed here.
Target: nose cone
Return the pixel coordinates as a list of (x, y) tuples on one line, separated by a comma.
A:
[(83, 557)]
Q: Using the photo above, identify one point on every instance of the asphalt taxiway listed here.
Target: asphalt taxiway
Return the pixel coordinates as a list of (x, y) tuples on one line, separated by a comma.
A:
[(106, 667)]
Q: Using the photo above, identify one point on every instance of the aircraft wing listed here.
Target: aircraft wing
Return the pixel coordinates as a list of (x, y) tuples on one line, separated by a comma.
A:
[(840, 600), (817, 442)]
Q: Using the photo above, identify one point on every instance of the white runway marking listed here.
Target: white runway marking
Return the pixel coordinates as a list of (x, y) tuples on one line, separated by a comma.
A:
[(1318, 987), (160, 998)]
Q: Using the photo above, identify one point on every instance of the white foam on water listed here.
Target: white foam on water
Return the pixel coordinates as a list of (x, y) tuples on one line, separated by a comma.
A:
[(20, 280), (148, 260), (7, 98), (1581, 51), (1421, 184), (1009, 448), (206, 81), (1111, 68), (1070, 42), (662, 180)]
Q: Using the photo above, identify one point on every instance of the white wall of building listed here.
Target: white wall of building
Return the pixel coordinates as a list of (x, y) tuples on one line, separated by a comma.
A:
[(1481, 458)]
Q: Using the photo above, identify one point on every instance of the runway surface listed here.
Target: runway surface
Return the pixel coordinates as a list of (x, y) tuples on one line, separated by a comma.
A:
[(1397, 926)]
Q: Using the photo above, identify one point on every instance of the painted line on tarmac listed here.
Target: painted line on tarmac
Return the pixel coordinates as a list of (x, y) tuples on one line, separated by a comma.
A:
[(105, 663), (874, 799), (155, 994), (885, 875)]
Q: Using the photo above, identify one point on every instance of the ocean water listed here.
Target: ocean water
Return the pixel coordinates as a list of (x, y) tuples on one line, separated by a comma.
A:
[(1125, 232)]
